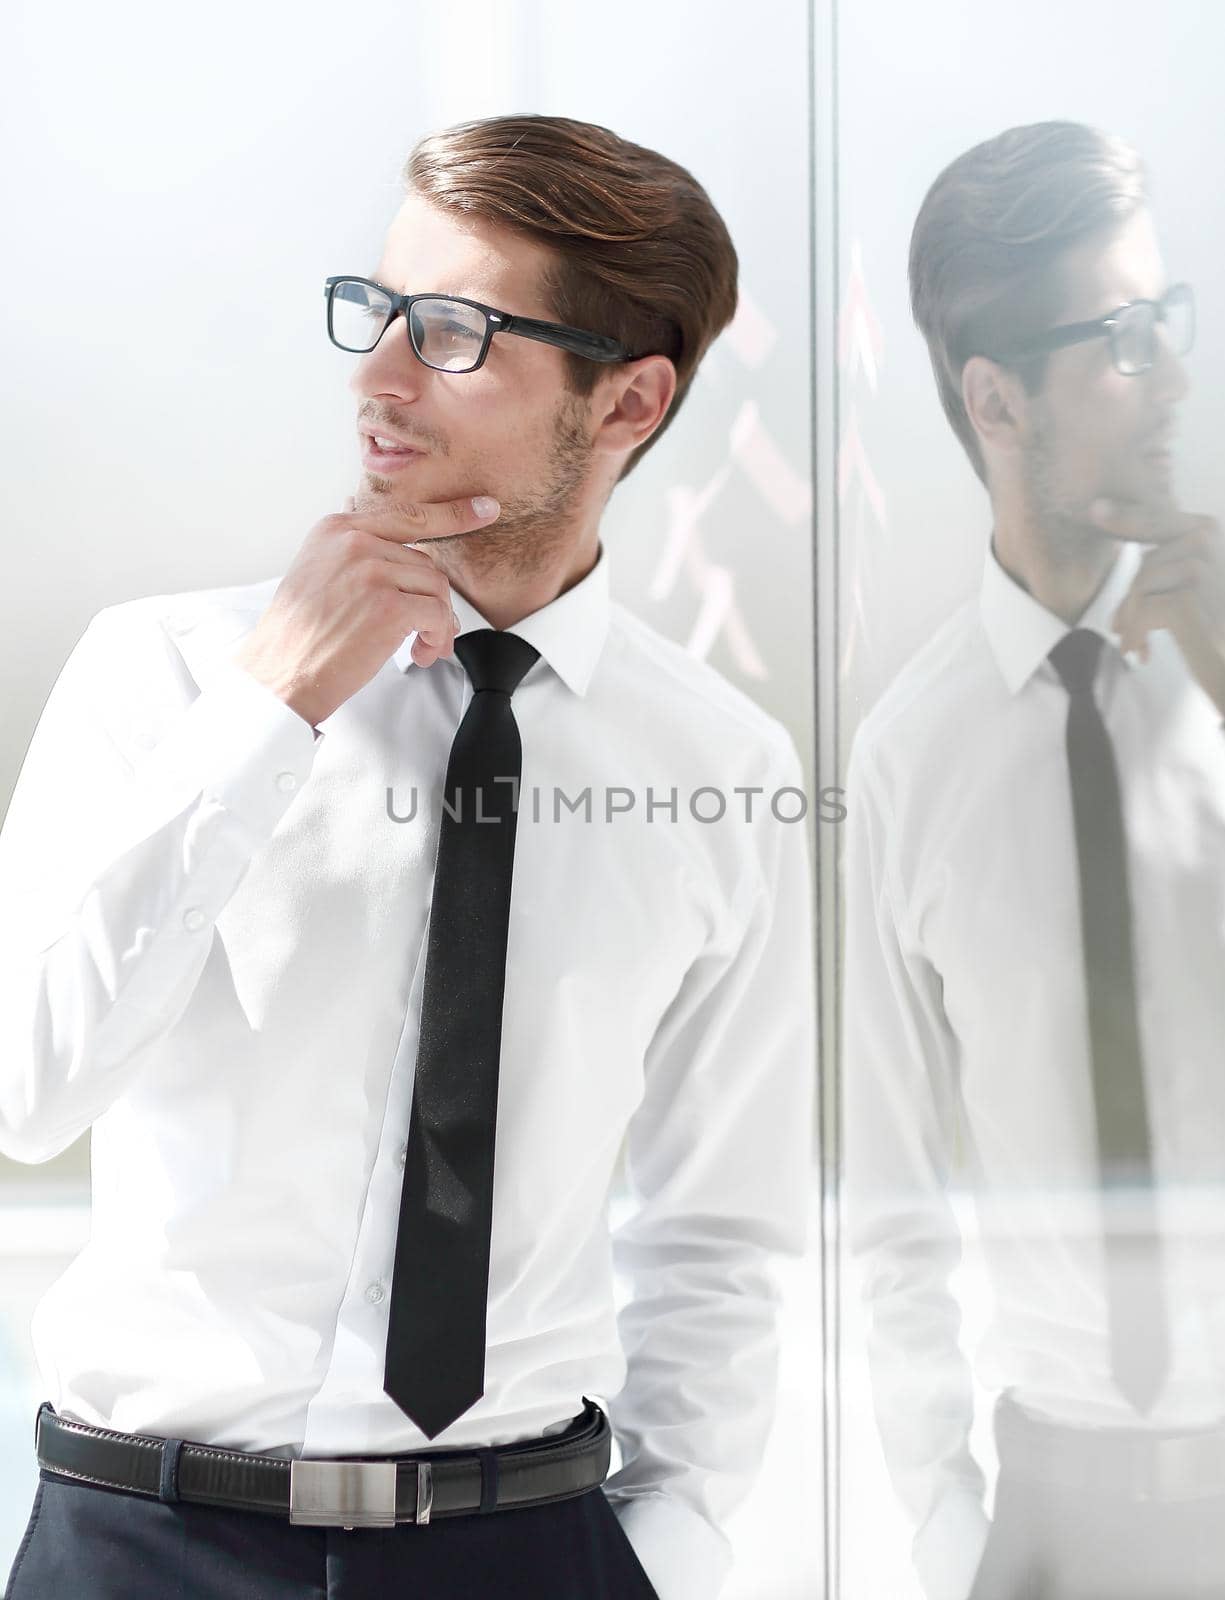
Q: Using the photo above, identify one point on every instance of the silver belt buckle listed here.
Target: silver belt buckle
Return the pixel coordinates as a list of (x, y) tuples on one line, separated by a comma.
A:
[(345, 1494)]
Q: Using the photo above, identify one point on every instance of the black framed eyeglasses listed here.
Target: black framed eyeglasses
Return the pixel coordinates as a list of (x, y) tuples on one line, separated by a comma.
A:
[(446, 332), (1131, 329)]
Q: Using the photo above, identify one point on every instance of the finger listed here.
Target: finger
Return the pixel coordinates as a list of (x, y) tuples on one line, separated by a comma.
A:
[(424, 653), (1168, 608), (428, 646), (1165, 567), (1169, 575), (405, 522), (1193, 546), (433, 617), (1144, 521)]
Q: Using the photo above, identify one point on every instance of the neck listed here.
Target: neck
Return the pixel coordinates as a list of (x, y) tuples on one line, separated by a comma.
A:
[(504, 597), (1062, 573)]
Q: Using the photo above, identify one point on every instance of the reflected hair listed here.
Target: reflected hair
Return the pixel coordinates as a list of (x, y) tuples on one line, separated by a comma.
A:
[(638, 251), (987, 246)]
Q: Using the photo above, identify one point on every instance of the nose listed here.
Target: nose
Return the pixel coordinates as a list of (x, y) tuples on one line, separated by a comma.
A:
[(1167, 375), (391, 367)]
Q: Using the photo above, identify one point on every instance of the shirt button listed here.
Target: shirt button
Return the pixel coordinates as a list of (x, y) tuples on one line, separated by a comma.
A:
[(193, 918), (286, 781), (374, 1293), (403, 1156)]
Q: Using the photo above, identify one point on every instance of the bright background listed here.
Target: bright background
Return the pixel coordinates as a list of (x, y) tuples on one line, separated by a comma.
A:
[(164, 164)]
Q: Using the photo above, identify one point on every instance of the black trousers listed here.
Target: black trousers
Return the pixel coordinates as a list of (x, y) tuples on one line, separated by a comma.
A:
[(1077, 1546), (92, 1543), (1050, 1541)]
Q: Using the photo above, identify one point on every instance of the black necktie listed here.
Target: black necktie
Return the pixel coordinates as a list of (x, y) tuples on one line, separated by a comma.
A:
[(1138, 1331), (435, 1367)]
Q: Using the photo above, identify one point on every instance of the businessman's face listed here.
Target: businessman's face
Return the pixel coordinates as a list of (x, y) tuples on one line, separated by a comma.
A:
[(510, 429), (1092, 431)]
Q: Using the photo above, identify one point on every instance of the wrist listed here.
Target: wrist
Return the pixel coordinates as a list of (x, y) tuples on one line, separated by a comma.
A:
[(286, 689)]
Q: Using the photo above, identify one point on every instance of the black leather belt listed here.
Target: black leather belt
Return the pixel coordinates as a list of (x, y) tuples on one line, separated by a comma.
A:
[(358, 1492), (1133, 1463)]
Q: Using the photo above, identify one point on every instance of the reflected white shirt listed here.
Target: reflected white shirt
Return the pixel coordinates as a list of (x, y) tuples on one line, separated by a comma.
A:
[(965, 1019), (212, 946)]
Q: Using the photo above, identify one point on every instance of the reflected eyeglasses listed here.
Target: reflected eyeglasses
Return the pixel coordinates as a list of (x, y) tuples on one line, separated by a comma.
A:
[(446, 332), (1131, 329)]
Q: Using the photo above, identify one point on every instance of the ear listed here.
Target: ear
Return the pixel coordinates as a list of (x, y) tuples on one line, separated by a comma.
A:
[(631, 402), (995, 402)]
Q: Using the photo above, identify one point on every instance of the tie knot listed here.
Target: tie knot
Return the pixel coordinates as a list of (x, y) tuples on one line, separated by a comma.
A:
[(1075, 659), (494, 659)]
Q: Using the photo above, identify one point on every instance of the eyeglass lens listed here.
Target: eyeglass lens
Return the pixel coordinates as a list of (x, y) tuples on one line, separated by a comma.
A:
[(446, 334), (1134, 335)]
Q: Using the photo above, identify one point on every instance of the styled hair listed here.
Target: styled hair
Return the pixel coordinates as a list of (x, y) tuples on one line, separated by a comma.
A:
[(638, 250), (987, 247)]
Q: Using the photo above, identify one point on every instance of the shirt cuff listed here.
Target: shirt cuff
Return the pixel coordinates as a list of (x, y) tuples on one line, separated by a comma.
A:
[(948, 1548), (681, 1553), (240, 742)]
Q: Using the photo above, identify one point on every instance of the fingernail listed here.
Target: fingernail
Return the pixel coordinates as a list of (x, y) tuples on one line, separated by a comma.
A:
[(485, 505), (1101, 508)]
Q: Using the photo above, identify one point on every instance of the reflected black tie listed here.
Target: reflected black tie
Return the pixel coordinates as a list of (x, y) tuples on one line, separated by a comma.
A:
[(1138, 1331), (435, 1367)]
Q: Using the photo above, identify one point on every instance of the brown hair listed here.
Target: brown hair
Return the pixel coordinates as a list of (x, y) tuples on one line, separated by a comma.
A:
[(639, 251), (986, 249)]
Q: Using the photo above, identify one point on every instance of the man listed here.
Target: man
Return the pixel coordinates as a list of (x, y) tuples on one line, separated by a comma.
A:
[(274, 964), (1035, 891)]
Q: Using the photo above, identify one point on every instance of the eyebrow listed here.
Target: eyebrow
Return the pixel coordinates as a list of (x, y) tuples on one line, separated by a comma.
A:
[(447, 294), (1153, 299)]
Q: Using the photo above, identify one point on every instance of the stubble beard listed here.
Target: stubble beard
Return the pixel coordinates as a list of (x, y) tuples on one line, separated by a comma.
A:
[(1067, 538), (534, 529)]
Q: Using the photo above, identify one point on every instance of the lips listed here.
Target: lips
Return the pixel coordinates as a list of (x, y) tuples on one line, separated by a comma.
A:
[(376, 459), (390, 433), (1159, 442)]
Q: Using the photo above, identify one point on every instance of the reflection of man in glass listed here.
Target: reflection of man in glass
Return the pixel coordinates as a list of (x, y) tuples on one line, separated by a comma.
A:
[(1036, 918)]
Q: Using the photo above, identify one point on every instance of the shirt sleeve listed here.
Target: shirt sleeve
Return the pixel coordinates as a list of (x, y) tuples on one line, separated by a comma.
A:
[(900, 1109), (115, 862), (719, 1161)]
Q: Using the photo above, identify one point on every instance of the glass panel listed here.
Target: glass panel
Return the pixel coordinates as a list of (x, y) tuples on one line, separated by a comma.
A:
[(1030, 1240)]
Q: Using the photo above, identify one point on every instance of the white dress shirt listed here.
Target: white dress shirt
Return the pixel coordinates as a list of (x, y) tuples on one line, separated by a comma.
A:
[(966, 1023), (212, 946)]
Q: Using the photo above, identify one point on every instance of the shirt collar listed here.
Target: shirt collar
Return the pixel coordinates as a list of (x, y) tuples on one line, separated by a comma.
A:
[(569, 632), (1022, 632)]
